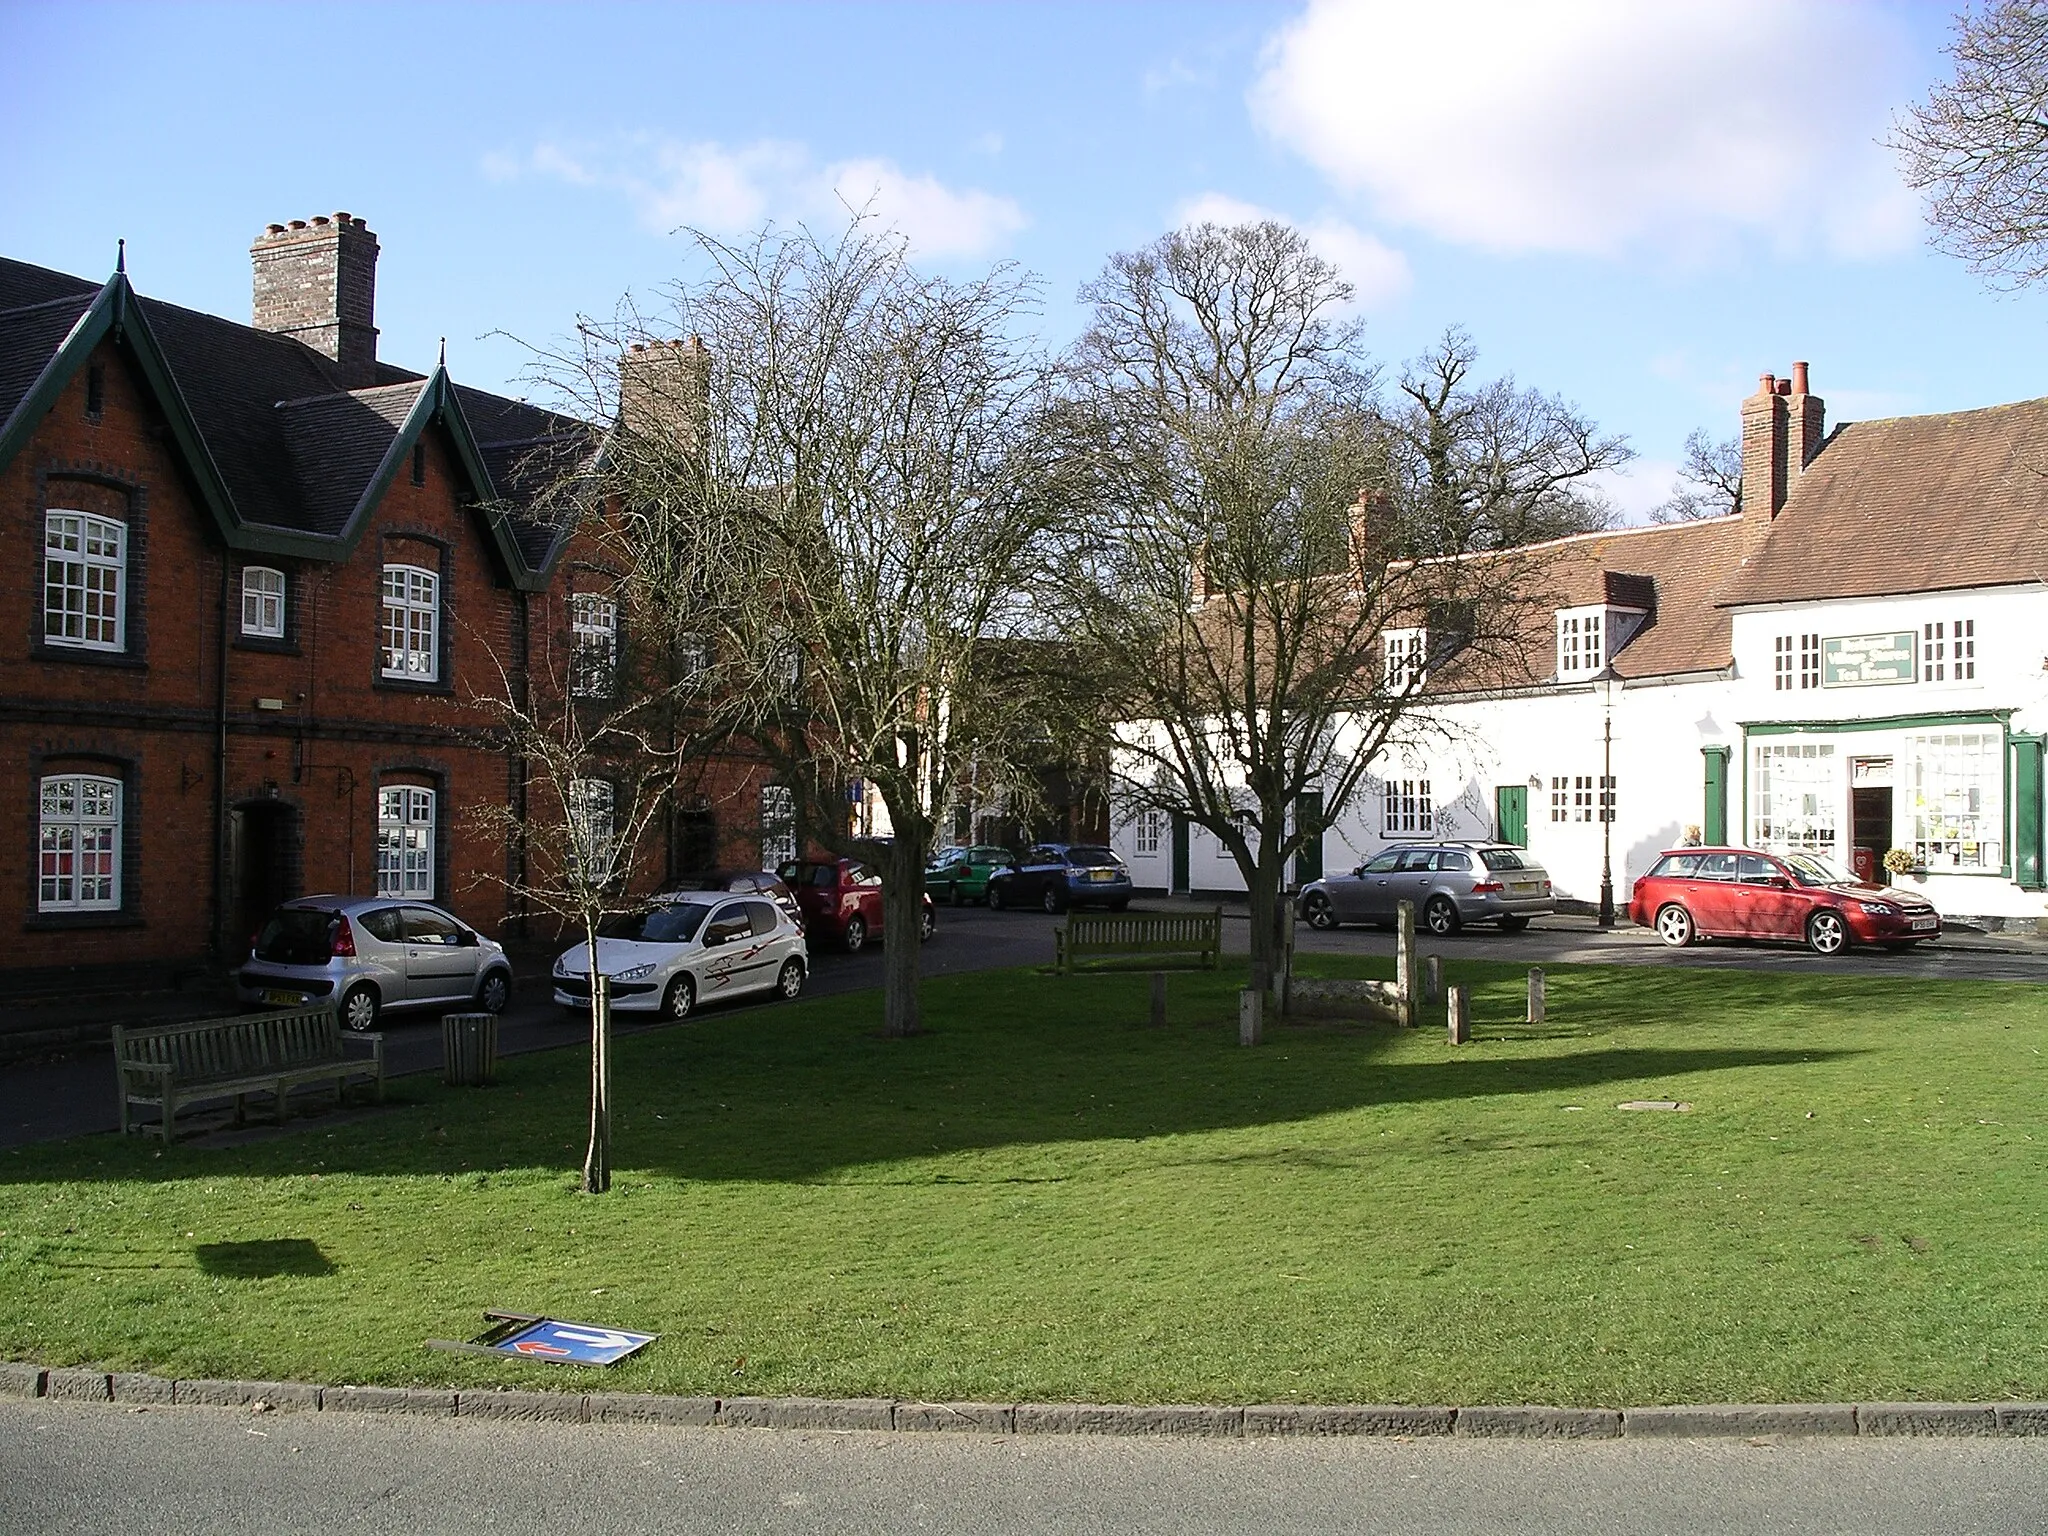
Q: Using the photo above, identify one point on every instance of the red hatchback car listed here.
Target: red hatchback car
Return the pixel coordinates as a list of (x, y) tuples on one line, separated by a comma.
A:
[(1739, 893), (842, 902)]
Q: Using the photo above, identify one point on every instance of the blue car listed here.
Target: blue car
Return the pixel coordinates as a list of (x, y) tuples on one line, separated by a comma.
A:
[(1056, 876)]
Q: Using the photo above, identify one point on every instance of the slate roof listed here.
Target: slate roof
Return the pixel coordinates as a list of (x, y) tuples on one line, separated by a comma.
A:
[(1911, 504), (296, 452)]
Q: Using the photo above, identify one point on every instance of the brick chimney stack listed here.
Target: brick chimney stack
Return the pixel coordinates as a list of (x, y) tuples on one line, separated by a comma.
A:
[(1782, 427), (662, 387), (317, 280)]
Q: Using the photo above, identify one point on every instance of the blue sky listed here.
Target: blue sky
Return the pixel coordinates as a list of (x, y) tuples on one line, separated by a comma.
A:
[(1640, 207)]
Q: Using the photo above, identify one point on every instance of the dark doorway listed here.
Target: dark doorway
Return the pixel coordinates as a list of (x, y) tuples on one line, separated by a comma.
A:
[(1181, 884), (696, 842), (1870, 811), (260, 863)]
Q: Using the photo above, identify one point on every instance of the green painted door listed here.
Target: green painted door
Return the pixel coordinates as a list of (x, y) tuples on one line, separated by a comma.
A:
[(1180, 855), (1714, 820), (1511, 814), (1308, 863), (2026, 813)]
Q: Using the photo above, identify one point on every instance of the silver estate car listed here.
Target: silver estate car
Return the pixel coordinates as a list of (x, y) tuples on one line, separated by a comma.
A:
[(370, 954), (1451, 884), (690, 947)]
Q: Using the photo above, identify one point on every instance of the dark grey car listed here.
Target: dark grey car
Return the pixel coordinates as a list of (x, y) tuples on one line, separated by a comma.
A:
[(1451, 884)]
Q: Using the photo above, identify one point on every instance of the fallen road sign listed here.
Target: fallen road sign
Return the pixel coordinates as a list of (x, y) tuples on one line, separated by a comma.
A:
[(525, 1335)]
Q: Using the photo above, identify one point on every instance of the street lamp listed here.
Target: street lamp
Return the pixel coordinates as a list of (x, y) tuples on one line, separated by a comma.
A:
[(1606, 804)]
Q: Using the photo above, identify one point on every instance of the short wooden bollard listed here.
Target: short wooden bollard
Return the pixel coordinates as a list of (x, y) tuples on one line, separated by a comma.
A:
[(1404, 961), (1159, 999), (469, 1049), (1433, 977), (1459, 1015), (1536, 994), (1251, 1016)]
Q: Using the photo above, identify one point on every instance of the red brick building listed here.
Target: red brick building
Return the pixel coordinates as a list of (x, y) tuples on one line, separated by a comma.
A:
[(250, 578)]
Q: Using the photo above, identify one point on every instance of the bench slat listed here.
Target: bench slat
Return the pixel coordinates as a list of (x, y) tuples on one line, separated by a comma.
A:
[(170, 1064)]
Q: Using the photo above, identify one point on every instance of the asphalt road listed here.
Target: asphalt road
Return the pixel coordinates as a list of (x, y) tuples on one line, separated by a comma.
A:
[(74, 1467), (74, 1094)]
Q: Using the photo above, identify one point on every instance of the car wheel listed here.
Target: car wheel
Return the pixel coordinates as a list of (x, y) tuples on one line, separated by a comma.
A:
[(1051, 900), (791, 979), (1674, 926), (494, 992), (855, 935), (1440, 916), (1318, 912), (359, 1007), (1513, 924), (956, 896), (1826, 932), (927, 923), (995, 898), (679, 999)]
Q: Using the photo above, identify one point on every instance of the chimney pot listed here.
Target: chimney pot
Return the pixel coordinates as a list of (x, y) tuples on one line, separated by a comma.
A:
[(1799, 378), (341, 218), (1784, 386), (273, 229), (1767, 384), (321, 220), (298, 223)]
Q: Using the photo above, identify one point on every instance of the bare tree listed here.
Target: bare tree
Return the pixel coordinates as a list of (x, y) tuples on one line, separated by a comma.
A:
[(1709, 481), (1262, 627), (599, 776), (828, 493), (1978, 145)]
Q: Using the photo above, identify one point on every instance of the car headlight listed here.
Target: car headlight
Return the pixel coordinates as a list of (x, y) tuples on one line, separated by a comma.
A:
[(1880, 908), (635, 972), (562, 965)]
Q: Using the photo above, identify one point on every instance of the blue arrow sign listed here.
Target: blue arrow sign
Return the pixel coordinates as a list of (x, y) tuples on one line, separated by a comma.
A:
[(573, 1343)]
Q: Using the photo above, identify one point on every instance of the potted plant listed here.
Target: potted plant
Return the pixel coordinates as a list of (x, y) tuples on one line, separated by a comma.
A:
[(1897, 861)]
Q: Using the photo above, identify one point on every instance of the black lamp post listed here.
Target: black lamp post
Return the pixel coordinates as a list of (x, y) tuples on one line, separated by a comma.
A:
[(1606, 803)]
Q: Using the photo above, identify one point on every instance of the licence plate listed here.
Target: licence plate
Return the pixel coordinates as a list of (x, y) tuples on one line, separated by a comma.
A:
[(1923, 923), (283, 999), (1101, 874), (1522, 887)]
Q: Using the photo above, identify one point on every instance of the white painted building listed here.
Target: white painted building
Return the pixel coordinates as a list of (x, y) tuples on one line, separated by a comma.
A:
[(1855, 663)]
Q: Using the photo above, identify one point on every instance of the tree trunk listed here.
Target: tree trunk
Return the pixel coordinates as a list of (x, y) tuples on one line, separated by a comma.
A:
[(902, 926), (1264, 892), (597, 1162)]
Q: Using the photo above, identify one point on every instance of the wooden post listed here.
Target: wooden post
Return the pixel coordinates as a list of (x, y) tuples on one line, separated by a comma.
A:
[(1251, 1003), (1432, 978), (1459, 1015), (1287, 927), (1536, 994), (1404, 962), (1159, 999)]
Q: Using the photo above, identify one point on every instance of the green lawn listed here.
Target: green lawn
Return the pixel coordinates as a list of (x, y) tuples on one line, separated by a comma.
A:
[(1044, 1198)]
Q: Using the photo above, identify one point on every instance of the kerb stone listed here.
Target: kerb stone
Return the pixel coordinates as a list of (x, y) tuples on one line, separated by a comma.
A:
[(1353, 1419), (246, 1394), (78, 1386), (521, 1407), (639, 1408), (2022, 1418), (1704, 1420), (966, 1418), (1926, 1419), (18, 1380), (1539, 1423), (135, 1387), (807, 1413), (1115, 1419), (425, 1400)]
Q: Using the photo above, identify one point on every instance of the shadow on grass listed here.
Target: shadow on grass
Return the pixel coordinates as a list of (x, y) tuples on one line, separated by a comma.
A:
[(1012, 1060), (263, 1258)]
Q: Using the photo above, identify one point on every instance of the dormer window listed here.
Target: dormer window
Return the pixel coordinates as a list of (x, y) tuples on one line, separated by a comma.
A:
[(1581, 641), (1406, 665)]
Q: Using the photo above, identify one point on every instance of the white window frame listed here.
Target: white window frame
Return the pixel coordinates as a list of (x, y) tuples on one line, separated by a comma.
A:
[(778, 825), (594, 640), (410, 642), (1963, 649), (263, 589), (1560, 797), (1934, 651), (1405, 808), (1809, 661), (1405, 666), (1581, 641), (407, 819), (85, 571), (78, 844), (593, 819), (1145, 835), (1796, 796), (1781, 664), (1955, 798)]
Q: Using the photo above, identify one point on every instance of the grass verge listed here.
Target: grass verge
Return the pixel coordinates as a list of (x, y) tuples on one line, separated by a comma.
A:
[(1043, 1198)]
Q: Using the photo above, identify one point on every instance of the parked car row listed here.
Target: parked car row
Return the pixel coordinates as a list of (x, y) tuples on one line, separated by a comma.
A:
[(1049, 876)]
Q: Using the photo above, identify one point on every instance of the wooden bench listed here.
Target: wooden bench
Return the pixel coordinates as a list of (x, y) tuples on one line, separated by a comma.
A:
[(1193, 936), (169, 1065)]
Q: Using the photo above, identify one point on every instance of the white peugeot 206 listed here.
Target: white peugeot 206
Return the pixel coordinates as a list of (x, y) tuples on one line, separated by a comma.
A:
[(690, 948)]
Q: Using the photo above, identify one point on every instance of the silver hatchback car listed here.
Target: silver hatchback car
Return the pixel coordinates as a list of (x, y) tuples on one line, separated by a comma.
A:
[(1451, 884), (372, 954)]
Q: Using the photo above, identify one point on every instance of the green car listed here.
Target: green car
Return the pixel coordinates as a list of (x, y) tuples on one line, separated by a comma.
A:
[(960, 875)]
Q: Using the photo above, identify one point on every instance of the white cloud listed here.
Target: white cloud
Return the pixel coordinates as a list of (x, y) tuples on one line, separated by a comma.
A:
[(1602, 126), (1378, 273), (729, 190)]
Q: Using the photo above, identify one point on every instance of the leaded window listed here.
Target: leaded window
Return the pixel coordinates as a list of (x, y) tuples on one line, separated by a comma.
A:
[(84, 570), (405, 842), (78, 844), (412, 623)]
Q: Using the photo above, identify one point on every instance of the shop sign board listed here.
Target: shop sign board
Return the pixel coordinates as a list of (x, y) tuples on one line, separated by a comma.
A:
[(1859, 661)]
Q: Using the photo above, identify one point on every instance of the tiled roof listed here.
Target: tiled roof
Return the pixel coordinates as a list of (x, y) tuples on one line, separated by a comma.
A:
[(1911, 504), (336, 444)]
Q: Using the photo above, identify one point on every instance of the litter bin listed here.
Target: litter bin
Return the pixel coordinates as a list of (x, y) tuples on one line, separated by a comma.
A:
[(469, 1049)]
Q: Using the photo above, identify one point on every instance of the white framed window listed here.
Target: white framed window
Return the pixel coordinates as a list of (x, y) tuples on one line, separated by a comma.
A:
[(1955, 792), (262, 602), (85, 569), (1795, 797), (1406, 809), (1809, 661), (1406, 667), (592, 826), (1581, 641), (78, 844), (1781, 664), (693, 656), (1146, 833), (594, 637), (1582, 797), (1934, 651), (412, 623), (778, 825), (405, 842), (1607, 797), (1963, 652), (1561, 798)]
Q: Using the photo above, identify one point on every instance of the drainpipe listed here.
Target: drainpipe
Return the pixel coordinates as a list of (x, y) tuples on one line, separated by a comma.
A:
[(218, 944)]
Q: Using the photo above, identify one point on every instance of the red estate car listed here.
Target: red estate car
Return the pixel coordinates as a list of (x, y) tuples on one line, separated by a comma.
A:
[(1739, 893), (842, 901)]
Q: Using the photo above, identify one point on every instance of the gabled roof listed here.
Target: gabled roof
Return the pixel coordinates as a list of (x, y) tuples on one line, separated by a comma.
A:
[(287, 460), (1911, 504)]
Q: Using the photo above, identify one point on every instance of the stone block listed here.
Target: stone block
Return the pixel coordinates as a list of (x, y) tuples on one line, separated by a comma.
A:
[(20, 1380), (831, 1413), (246, 1394), (1116, 1419), (134, 1387), (650, 1408), (1528, 1423), (1703, 1420), (1926, 1419), (521, 1407), (2022, 1418), (78, 1386), (967, 1418), (428, 1400), (1345, 1419)]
